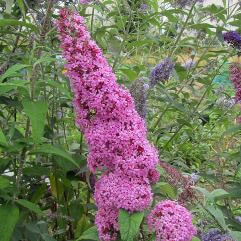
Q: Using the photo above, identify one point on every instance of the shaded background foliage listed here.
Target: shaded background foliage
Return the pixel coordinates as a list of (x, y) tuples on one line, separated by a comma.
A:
[(45, 187)]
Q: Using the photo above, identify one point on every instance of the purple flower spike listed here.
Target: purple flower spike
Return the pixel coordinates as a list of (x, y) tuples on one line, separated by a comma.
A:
[(216, 235), (162, 72), (233, 38), (143, 7)]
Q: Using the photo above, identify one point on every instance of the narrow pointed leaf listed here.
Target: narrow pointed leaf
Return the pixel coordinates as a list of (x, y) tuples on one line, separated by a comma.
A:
[(9, 215), (30, 206), (36, 111), (56, 151), (129, 224)]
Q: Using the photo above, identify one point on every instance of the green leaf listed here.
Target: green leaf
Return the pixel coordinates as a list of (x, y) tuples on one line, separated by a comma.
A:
[(129, 224), (233, 130), (212, 195), (203, 191), (65, 90), (57, 151), (218, 193), (90, 234), (3, 140), (57, 186), (131, 74), (195, 239), (82, 225), (166, 189), (12, 70), (9, 4), (9, 215), (36, 111), (4, 182), (39, 193), (44, 59), (21, 6), (236, 23), (218, 215), (11, 85), (29, 205), (13, 22), (236, 235), (203, 26), (170, 15)]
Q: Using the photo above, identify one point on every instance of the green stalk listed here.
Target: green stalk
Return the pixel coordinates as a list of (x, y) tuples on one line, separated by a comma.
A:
[(195, 109), (92, 21), (183, 28)]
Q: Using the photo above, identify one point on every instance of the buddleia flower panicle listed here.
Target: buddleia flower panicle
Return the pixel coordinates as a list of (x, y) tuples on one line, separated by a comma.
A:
[(115, 134), (235, 76), (233, 38), (171, 221), (216, 235), (162, 72)]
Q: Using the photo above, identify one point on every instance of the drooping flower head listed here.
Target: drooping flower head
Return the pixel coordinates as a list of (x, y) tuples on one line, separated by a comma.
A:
[(216, 235), (161, 72), (115, 134), (171, 221), (235, 76), (233, 38)]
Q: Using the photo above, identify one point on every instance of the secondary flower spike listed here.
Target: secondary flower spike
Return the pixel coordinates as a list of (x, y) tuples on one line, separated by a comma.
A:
[(235, 76), (233, 38), (171, 221), (162, 72), (116, 135)]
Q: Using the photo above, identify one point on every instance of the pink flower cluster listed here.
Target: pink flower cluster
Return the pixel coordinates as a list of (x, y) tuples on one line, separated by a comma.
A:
[(235, 76), (115, 133), (171, 221)]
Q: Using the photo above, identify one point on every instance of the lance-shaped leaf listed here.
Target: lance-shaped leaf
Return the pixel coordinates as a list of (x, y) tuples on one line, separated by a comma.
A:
[(12, 71), (129, 224), (9, 215), (56, 151), (30, 206), (36, 111)]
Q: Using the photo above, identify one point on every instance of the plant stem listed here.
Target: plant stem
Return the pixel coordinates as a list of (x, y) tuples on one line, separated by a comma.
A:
[(198, 104), (182, 30), (92, 21)]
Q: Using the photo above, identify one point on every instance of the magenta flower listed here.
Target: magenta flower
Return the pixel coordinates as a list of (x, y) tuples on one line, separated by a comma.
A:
[(171, 222), (123, 192), (107, 222), (116, 135)]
